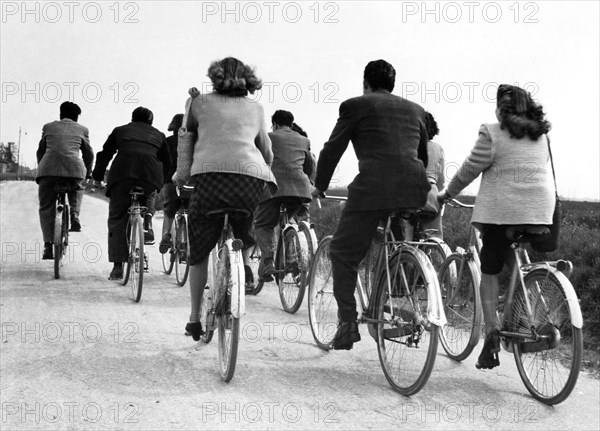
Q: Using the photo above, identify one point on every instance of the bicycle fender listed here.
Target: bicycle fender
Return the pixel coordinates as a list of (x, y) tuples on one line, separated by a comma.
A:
[(304, 226), (572, 299), (435, 307), (238, 278)]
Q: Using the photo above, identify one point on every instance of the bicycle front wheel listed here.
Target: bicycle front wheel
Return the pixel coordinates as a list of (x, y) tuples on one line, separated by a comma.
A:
[(407, 341), (549, 367), (459, 285), (437, 252), (182, 248), (228, 326), (135, 263), (293, 261), (322, 306)]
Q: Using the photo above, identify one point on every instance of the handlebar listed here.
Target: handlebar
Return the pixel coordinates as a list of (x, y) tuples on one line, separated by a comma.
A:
[(458, 204)]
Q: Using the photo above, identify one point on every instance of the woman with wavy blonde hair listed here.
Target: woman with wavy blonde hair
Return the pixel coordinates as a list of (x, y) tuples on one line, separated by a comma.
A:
[(516, 189), (225, 148)]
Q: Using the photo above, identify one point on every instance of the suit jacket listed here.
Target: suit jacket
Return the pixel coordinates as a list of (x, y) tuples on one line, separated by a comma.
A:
[(58, 151), (390, 141), (142, 151), (292, 164)]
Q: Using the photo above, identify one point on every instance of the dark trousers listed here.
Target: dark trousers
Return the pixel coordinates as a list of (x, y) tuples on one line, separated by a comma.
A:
[(118, 215), (349, 246), (47, 197), (267, 217)]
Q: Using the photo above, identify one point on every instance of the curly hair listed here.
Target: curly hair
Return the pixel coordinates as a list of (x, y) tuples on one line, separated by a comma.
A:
[(520, 114), (231, 77), (431, 126), (380, 74)]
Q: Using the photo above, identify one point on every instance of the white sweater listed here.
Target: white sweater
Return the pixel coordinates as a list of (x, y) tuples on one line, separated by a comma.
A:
[(516, 185)]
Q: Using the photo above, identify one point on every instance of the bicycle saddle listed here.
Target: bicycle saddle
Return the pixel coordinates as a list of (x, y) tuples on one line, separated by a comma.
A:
[(136, 191), (64, 187), (526, 232), (231, 211)]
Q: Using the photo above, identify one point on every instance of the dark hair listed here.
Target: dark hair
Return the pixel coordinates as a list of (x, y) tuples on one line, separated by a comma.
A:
[(431, 126), (520, 114), (233, 78), (69, 110), (176, 122), (296, 128), (143, 115), (380, 74), (283, 118)]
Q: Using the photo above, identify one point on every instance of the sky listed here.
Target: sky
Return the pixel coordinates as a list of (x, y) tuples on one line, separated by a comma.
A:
[(450, 57)]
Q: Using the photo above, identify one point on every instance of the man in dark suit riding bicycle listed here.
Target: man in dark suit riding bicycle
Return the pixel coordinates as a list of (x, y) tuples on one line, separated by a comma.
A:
[(390, 141)]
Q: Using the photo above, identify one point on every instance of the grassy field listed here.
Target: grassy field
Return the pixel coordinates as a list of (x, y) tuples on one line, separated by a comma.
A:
[(579, 243)]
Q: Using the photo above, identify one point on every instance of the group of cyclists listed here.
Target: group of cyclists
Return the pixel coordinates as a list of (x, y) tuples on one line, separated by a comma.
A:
[(221, 145)]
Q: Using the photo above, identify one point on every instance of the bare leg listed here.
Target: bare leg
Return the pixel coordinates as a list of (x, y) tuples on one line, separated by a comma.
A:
[(489, 289), (198, 279)]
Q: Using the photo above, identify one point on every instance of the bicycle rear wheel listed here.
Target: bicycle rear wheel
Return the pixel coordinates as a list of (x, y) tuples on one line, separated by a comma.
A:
[(459, 285), (135, 263), (182, 248), (322, 306), (407, 342), (228, 327), (61, 229), (549, 367), (292, 259)]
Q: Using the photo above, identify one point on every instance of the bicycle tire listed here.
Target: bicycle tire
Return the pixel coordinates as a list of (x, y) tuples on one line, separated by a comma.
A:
[(182, 251), (548, 371), (128, 262), (405, 364), (322, 306), (437, 252), (61, 221), (228, 326), (136, 258), (366, 269), (292, 260), (462, 306), (168, 258)]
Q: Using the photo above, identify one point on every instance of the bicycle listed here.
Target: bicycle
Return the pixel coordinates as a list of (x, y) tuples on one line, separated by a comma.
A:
[(540, 321), (61, 226), (292, 261), (403, 310), (459, 278), (177, 255), (224, 301), (137, 259)]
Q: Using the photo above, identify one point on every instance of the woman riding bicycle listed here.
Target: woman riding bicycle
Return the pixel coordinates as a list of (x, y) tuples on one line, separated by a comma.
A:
[(516, 189), (228, 156)]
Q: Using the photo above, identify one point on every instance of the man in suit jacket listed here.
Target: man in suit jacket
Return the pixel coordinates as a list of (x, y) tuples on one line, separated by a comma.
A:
[(390, 141), (292, 166), (59, 161), (142, 151)]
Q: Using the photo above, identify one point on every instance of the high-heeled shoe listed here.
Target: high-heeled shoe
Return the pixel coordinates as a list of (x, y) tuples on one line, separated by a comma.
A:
[(195, 330), (488, 357)]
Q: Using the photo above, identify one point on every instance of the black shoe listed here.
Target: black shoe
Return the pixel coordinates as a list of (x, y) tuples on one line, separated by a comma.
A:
[(116, 273), (149, 237), (347, 334), (48, 251), (266, 269), (488, 358), (75, 225), (195, 330), (165, 243)]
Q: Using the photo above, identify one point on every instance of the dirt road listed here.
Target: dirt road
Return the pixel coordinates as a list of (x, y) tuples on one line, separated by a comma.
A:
[(77, 353)]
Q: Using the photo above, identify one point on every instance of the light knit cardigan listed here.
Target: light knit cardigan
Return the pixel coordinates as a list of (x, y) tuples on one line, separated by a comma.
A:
[(224, 134), (516, 185)]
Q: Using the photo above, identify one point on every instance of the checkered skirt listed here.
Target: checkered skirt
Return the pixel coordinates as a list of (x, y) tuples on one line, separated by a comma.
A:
[(213, 191)]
